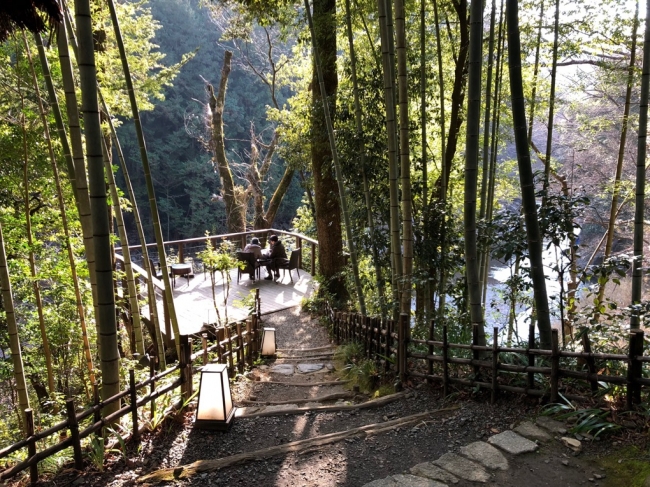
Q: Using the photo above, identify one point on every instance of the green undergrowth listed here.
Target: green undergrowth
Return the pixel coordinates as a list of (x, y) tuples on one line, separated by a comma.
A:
[(352, 365), (629, 467)]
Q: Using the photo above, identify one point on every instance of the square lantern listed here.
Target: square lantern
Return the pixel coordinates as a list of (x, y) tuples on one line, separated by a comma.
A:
[(268, 342), (215, 410)]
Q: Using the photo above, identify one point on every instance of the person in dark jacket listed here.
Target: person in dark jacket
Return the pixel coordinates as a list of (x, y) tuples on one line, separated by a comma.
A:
[(276, 252)]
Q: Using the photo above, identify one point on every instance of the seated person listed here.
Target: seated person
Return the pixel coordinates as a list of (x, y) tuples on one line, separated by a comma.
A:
[(277, 252), (255, 249)]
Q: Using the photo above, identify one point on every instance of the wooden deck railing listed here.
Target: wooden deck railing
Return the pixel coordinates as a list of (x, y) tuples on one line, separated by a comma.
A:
[(189, 246), (473, 365), (236, 345)]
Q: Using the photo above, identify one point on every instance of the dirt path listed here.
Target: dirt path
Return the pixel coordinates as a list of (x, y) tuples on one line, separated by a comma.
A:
[(354, 461)]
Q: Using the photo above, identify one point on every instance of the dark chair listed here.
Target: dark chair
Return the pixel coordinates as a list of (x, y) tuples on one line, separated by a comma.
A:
[(156, 270), (289, 264), (250, 267)]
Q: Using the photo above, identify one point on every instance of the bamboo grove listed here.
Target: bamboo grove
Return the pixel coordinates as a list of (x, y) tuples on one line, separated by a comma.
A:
[(431, 139)]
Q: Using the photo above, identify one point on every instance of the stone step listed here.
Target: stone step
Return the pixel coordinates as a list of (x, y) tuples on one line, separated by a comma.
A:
[(472, 464)]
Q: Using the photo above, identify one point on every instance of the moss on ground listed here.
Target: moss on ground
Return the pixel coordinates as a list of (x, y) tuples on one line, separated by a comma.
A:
[(629, 467)]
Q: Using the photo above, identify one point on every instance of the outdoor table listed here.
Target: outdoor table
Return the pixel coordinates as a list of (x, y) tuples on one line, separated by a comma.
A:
[(181, 270)]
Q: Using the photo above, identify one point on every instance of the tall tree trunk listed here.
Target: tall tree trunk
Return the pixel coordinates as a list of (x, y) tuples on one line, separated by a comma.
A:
[(611, 227), (326, 196), (59, 193), (551, 104), (362, 162), (146, 262), (78, 168), (36, 288), (538, 44), (405, 160), (389, 97), (486, 181), (442, 287), (526, 175), (12, 326), (233, 194), (109, 355), (637, 266), (155, 217), (471, 166), (337, 167), (126, 253)]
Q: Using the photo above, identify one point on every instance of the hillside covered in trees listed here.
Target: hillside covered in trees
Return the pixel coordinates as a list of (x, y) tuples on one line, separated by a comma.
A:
[(422, 144)]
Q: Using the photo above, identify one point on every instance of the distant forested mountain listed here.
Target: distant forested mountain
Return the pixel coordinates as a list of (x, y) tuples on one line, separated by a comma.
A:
[(177, 134)]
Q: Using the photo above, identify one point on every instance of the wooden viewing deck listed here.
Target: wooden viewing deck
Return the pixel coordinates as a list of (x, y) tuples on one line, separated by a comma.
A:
[(193, 300), (194, 305)]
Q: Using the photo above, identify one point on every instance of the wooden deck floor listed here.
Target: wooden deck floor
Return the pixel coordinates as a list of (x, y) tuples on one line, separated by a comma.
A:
[(194, 305)]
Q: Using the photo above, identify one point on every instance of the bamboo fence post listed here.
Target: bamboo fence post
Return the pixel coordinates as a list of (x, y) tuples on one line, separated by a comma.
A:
[(152, 387), (337, 329), (432, 325), (255, 335), (555, 367), (445, 363), (402, 346), (591, 362), (134, 406), (97, 416), (634, 368), (495, 364), (240, 348), (73, 425), (189, 369), (182, 364), (249, 343), (229, 345), (476, 355), (221, 335), (386, 342), (258, 302), (168, 325), (313, 259), (531, 357), (204, 342), (31, 446)]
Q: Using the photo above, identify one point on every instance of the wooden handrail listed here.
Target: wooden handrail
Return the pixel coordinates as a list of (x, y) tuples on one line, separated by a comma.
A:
[(228, 236)]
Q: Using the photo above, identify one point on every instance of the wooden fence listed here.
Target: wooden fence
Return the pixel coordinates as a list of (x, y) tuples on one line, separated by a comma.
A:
[(473, 365), (236, 345)]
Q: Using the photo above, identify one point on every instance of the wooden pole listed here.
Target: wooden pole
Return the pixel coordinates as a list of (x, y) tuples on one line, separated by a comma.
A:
[(402, 346), (189, 369), (635, 349), (134, 406), (495, 364), (445, 363), (591, 362), (249, 342), (73, 425), (555, 367), (204, 341), (240, 347), (432, 325), (152, 387), (531, 357), (31, 446)]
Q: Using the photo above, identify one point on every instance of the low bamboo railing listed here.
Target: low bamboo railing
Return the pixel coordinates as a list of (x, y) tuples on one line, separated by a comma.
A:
[(236, 345), (388, 342)]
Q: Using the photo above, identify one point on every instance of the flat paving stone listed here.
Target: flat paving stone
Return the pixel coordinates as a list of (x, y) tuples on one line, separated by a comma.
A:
[(433, 472), (532, 432), (486, 455), (512, 443), (283, 369), (462, 467), (551, 425), (307, 368), (280, 407), (400, 480)]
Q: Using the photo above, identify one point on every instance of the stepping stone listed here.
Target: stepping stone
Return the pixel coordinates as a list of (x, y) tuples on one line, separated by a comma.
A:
[(512, 443), (433, 472), (404, 481), (532, 432), (486, 455), (307, 368), (462, 467), (551, 425), (283, 369)]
